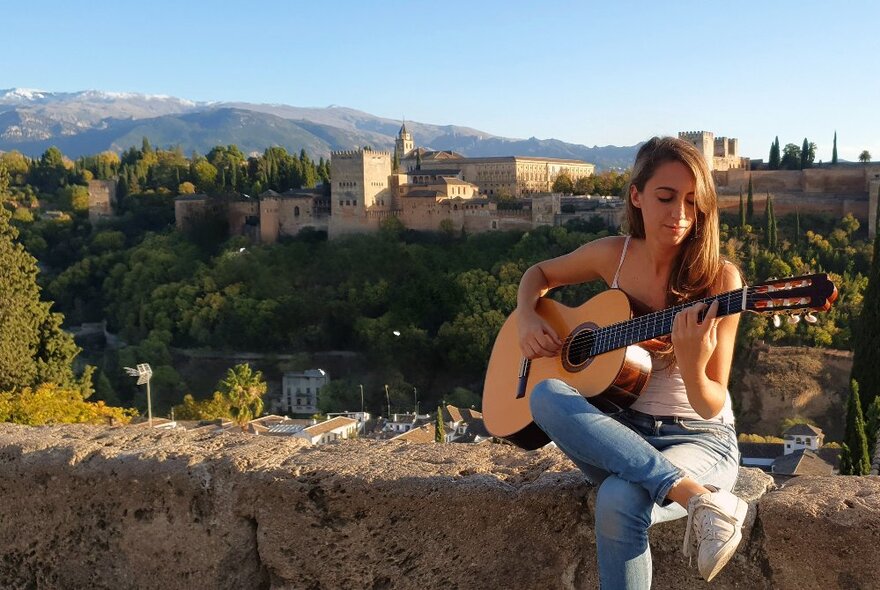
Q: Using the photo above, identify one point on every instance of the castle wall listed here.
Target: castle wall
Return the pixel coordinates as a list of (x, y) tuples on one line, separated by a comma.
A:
[(187, 210), (812, 180), (269, 208), (102, 198), (238, 213), (873, 198)]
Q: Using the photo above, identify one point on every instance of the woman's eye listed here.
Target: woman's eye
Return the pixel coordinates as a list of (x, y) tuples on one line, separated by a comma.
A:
[(666, 200)]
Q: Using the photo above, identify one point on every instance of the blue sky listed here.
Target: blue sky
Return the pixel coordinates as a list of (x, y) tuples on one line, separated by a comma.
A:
[(583, 72)]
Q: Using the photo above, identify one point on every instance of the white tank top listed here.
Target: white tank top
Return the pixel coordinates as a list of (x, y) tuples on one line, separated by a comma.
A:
[(665, 393)]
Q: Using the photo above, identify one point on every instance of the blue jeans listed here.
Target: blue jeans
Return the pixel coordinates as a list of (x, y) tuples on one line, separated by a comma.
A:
[(634, 459)]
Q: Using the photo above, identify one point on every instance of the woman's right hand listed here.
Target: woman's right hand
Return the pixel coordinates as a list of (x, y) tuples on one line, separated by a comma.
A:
[(536, 337)]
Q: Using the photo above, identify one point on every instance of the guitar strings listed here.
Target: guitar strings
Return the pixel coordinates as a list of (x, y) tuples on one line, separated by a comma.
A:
[(634, 329)]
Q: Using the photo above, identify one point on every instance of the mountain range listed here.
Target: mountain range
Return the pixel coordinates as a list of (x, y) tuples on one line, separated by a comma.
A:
[(91, 121)]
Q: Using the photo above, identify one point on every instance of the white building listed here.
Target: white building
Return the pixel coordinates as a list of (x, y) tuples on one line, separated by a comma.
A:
[(338, 428), (803, 436), (299, 391)]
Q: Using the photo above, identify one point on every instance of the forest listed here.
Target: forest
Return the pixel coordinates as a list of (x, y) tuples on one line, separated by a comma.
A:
[(421, 309)]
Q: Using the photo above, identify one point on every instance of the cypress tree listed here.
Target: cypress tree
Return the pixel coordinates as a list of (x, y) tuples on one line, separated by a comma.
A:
[(742, 212), (439, 427), (750, 204), (805, 152), (872, 425), (834, 151), (774, 155), (770, 224), (865, 335), (797, 226), (858, 462), (33, 347)]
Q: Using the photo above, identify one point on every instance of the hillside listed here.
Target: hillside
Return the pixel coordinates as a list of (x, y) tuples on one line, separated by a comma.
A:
[(773, 383)]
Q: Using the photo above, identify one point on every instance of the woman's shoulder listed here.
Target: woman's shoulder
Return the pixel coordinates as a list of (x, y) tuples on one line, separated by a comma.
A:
[(730, 277)]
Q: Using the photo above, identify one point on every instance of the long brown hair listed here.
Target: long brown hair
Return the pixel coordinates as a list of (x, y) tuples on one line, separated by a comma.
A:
[(696, 268), (698, 264)]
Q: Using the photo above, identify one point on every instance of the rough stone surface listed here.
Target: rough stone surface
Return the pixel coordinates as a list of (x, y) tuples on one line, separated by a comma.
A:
[(91, 507)]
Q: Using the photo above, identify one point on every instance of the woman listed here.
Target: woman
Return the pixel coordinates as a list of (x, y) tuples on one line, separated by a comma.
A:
[(674, 452)]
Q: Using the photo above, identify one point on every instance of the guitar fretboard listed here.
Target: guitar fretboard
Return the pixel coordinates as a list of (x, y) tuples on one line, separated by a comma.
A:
[(656, 324)]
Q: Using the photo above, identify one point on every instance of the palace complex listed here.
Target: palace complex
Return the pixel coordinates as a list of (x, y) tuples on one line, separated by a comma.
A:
[(442, 190), (426, 190)]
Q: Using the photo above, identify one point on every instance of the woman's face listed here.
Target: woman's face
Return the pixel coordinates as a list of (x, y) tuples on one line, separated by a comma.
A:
[(667, 203)]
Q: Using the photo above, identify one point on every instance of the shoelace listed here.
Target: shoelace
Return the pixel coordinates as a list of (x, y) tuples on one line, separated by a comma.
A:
[(704, 525)]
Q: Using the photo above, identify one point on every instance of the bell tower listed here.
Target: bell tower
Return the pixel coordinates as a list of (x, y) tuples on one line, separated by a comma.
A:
[(404, 143)]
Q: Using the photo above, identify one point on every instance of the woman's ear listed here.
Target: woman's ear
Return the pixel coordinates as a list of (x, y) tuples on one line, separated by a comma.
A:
[(634, 197)]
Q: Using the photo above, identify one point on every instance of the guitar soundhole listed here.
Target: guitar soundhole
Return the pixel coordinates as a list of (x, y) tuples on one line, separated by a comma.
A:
[(578, 352)]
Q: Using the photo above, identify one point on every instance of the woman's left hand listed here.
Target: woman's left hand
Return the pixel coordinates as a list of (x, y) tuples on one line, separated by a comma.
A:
[(695, 341)]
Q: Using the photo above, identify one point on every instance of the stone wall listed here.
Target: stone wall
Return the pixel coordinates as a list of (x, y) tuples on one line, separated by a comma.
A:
[(128, 507)]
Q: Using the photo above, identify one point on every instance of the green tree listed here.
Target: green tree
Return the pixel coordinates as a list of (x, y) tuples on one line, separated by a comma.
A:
[(742, 212), (770, 225), (750, 203), (834, 150), (808, 154), (872, 425), (865, 335), (791, 157), (4, 182), (865, 156), (563, 184), (858, 461), (244, 389), (204, 174), (75, 197), (439, 427), (49, 403), (33, 347), (50, 172), (774, 161), (208, 409)]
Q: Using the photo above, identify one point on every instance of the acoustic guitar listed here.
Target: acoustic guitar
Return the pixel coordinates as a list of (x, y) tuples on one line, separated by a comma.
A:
[(600, 356)]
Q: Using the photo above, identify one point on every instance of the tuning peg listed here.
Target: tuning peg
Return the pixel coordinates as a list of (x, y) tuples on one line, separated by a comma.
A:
[(777, 320), (794, 318), (810, 318)]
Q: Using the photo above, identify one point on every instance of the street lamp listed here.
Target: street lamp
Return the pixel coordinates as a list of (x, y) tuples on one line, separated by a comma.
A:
[(362, 402), (143, 372), (416, 396), (388, 399)]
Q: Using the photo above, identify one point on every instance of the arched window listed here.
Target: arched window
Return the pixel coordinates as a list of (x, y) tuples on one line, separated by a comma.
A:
[(296, 211)]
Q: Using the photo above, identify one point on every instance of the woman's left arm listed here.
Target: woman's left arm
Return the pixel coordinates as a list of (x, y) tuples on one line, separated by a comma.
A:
[(704, 350)]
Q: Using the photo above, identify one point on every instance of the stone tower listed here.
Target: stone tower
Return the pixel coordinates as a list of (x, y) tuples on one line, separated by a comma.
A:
[(404, 143), (704, 141)]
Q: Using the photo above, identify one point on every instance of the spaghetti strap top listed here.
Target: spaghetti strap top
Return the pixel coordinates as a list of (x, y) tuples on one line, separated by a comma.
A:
[(665, 393), (620, 264)]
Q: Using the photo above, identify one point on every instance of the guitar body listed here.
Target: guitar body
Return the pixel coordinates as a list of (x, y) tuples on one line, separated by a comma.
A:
[(614, 378)]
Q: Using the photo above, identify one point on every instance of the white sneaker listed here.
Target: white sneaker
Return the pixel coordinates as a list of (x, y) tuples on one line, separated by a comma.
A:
[(714, 529)]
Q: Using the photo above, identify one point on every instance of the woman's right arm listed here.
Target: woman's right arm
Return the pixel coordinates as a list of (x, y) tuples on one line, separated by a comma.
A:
[(587, 263)]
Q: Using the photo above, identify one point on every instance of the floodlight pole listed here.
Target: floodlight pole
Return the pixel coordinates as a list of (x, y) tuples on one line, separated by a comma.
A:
[(149, 406)]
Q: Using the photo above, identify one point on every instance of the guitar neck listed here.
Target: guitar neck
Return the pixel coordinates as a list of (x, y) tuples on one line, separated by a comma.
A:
[(659, 323)]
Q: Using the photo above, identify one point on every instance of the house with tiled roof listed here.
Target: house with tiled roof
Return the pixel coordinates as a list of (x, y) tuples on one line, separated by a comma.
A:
[(338, 428), (801, 462), (421, 434), (760, 454)]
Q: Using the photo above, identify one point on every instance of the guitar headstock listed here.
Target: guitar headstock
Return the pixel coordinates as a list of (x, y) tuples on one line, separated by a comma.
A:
[(792, 295)]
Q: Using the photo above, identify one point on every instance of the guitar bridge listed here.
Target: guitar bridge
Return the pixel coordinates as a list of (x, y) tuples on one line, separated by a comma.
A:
[(524, 366)]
